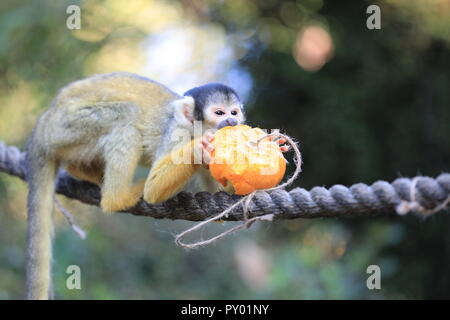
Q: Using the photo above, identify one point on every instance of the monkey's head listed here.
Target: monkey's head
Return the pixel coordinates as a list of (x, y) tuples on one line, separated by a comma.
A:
[(214, 104)]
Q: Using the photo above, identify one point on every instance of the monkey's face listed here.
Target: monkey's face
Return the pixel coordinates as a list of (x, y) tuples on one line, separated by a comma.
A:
[(219, 115), (221, 110), (217, 106)]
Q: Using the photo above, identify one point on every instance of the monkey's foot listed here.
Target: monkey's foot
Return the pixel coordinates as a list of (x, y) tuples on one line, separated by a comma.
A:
[(124, 200)]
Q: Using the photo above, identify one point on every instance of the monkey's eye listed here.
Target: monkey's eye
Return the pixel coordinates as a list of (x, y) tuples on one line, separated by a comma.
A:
[(219, 112), (234, 113)]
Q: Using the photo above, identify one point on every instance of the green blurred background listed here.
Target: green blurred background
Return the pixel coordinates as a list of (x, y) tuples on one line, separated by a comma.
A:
[(364, 105)]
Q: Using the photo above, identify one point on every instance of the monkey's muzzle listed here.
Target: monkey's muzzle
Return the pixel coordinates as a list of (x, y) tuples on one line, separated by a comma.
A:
[(227, 122)]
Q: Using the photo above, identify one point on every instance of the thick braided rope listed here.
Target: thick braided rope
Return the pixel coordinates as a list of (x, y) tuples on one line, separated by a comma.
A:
[(338, 201)]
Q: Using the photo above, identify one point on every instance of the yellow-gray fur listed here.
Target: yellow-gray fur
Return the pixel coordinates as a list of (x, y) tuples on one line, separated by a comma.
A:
[(41, 176), (100, 129)]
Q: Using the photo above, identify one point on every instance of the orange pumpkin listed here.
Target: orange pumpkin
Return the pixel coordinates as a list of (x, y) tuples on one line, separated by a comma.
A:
[(237, 158)]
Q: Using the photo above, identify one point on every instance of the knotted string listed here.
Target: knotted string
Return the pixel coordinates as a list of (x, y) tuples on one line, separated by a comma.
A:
[(244, 202)]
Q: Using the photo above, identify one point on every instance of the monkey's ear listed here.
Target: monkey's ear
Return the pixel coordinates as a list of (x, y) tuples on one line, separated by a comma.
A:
[(184, 110)]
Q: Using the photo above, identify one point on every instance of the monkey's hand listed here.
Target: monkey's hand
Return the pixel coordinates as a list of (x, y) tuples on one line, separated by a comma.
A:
[(281, 142), (205, 148)]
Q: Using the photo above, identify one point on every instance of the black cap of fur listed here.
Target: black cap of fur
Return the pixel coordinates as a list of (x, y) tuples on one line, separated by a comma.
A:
[(201, 94)]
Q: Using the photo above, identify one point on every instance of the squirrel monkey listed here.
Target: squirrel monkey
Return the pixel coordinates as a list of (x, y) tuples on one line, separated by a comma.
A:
[(100, 129)]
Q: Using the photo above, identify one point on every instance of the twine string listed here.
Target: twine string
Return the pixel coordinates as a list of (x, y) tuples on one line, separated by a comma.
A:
[(244, 202)]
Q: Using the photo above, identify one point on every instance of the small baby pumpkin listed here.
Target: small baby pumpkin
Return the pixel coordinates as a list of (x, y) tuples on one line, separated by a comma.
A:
[(238, 158)]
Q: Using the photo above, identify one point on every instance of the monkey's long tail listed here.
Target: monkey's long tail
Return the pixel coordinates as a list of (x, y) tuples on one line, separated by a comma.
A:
[(41, 177)]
